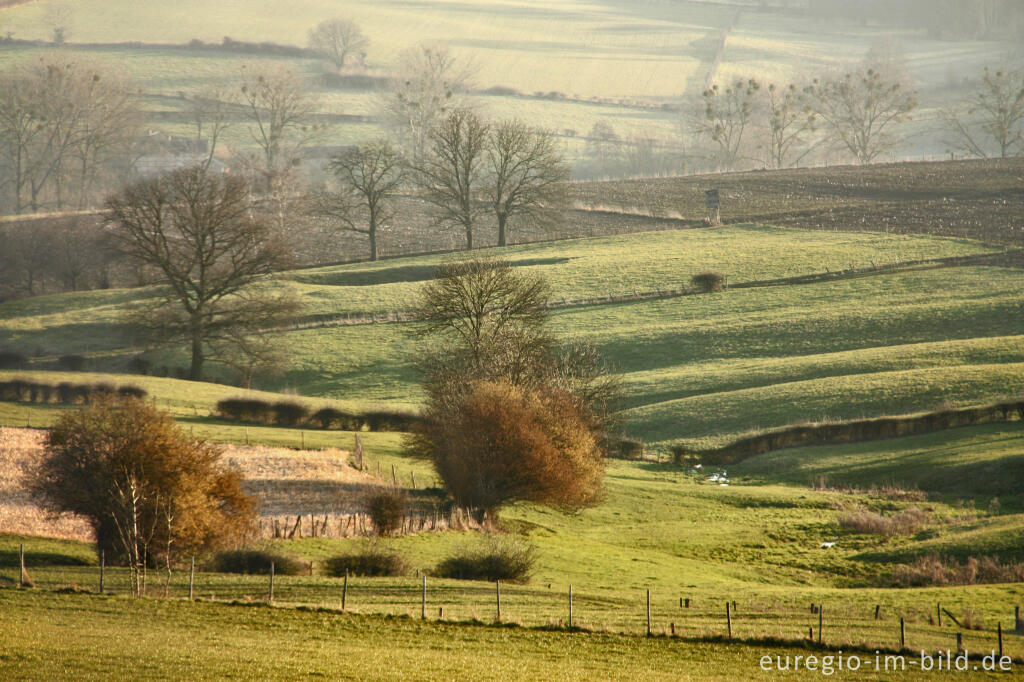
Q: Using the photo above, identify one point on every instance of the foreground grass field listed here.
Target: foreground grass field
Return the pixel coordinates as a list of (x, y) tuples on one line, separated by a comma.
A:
[(677, 533), (178, 640)]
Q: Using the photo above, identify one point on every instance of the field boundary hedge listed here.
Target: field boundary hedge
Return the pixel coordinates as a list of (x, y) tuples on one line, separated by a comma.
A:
[(66, 393), (854, 431), (295, 414)]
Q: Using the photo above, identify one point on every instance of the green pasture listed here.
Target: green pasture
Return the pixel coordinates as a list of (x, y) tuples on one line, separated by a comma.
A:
[(180, 640), (703, 368), (975, 463), (755, 542)]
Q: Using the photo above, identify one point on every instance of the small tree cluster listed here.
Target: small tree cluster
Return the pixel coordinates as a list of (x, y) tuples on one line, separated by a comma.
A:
[(510, 414), (150, 493)]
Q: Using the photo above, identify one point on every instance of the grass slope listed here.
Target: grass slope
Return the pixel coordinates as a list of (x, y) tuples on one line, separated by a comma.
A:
[(703, 368)]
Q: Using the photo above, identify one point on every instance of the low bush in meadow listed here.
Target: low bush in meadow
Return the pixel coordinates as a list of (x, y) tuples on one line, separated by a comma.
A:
[(505, 559), (371, 560), (255, 561)]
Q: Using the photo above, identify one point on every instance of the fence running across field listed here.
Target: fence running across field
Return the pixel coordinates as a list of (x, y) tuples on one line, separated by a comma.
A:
[(693, 614)]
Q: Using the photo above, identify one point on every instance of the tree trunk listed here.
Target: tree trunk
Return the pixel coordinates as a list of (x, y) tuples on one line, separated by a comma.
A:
[(196, 370), (502, 218), (371, 232), (469, 237)]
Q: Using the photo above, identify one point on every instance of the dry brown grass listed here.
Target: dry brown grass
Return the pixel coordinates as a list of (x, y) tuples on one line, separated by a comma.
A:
[(300, 481), (284, 482), (861, 520), (20, 450)]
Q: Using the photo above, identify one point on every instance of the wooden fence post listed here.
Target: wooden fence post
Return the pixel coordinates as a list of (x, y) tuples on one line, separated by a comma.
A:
[(423, 597), (570, 607), (999, 630), (821, 607), (344, 591), (103, 566), (648, 613), (1018, 624), (903, 634), (21, 557), (270, 594), (938, 611), (191, 578), (728, 618), (959, 642), (497, 596)]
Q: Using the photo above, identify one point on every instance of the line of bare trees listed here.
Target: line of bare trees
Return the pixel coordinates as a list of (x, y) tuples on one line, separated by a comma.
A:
[(857, 113)]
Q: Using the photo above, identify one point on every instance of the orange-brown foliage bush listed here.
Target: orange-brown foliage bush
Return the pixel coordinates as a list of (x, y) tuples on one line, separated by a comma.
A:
[(499, 443)]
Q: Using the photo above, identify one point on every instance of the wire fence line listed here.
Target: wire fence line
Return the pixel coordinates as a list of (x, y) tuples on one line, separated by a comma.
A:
[(845, 624)]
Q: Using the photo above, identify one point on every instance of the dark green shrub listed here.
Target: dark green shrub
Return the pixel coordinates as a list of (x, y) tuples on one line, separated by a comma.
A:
[(255, 561), (289, 413), (388, 420), (128, 391), (372, 561), (244, 409), (708, 281), (10, 359), (71, 363), (505, 559), (66, 393), (102, 390), (327, 417), (19, 390), (387, 508)]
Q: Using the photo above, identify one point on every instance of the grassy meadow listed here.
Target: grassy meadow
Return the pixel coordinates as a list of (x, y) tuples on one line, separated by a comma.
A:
[(756, 542), (699, 368)]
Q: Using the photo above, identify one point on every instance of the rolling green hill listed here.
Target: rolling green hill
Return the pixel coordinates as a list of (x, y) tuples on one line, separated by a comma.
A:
[(700, 367)]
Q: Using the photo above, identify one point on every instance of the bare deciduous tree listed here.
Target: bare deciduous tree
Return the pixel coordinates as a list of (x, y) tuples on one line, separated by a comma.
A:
[(336, 40), (429, 83), (279, 108), (58, 17), (862, 109), (604, 148), (210, 111), (724, 117), (61, 119), (195, 230), (790, 119), (451, 171), (369, 178), (526, 175), (993, 114)]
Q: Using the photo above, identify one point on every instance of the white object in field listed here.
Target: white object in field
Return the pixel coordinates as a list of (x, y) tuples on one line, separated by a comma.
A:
[(827, 545)]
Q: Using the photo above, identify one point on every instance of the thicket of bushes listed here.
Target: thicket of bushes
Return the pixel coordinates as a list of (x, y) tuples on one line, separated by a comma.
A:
[(26, 391), (865, 521), (851, 432), (708, 281), (372, 561), (255, 561), (291, 413), (505, 559), (387, 508), (933, 570)]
